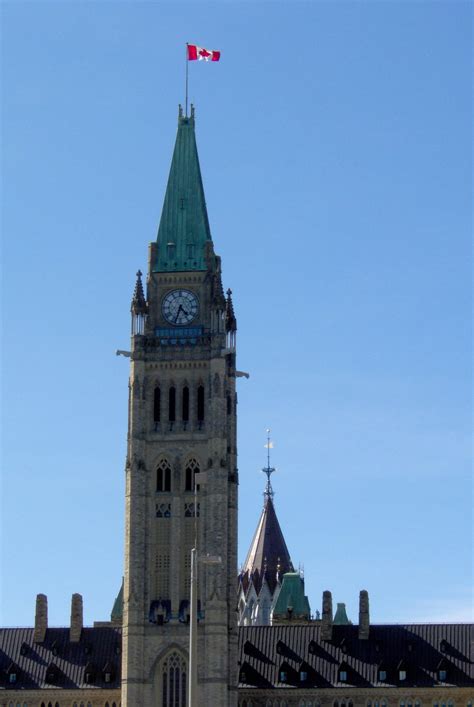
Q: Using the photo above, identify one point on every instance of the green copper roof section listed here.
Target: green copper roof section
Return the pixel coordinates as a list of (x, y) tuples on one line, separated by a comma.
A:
[(340, 618), (184, 225), (292, 597), (117, 610)]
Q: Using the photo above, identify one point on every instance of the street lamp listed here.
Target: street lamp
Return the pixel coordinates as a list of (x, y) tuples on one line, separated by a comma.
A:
[(195, 561)]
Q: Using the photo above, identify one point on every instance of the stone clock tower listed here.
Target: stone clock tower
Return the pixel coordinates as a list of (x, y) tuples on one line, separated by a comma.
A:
[(182, 422)]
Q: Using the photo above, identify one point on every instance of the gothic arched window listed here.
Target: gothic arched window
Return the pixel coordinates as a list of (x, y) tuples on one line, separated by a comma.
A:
[(192, 467), (185, 407), (173, 681), (157, 404), (163, 476), (200, 403)]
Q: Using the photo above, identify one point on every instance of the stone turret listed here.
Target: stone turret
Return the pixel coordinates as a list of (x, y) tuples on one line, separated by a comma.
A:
[(364, 617), (138, 307), (76, 618), (41, 618)]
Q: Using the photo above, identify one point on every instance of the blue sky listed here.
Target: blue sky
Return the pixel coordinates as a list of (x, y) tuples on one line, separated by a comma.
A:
[(335, 146)]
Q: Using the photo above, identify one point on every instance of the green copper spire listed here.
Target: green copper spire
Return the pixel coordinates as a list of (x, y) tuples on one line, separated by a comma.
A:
[(184, 226)]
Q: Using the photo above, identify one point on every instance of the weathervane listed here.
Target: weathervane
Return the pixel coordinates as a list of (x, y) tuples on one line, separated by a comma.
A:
[(268, 470)]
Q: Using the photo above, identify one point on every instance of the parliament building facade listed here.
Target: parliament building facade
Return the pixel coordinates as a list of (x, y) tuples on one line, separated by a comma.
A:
[(257, 642)]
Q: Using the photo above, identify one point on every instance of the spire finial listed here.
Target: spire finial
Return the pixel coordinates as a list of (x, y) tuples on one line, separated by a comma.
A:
[(268, 470)]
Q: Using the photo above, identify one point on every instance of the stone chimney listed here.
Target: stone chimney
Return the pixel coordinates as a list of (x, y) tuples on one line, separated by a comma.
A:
[(41, 618), (76, 619), (326, 622), (364, 618)]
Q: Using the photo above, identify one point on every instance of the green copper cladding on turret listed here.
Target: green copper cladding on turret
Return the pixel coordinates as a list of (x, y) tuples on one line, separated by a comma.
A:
[(184, 225)]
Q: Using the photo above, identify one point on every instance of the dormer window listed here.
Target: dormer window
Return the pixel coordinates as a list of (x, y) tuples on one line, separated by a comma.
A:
[(24, 649), (442, 675), (283, 676), (190, 250), (12, 678), (343, 676), (107, 673), (171, 250), (382, 675), (303, 676), (402, 671)]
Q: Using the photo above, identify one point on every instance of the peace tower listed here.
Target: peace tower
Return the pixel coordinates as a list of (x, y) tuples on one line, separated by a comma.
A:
[(182, 423)]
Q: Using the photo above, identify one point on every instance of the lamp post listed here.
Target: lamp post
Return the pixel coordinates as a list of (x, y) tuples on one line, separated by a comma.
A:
[(192, 697), (193, 618)]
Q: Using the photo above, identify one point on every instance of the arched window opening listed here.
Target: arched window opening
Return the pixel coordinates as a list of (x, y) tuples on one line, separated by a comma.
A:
[(163, 477), (172, 405), (192, 467), (185, 410), (174, 681), (157, 405), (200, 405)]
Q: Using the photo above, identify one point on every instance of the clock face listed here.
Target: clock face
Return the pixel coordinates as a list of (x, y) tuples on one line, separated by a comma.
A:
[(180, 307)]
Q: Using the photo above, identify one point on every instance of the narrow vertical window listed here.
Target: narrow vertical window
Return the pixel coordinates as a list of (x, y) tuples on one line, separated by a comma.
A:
[(185, 404), (229, 404), (200, 403), (192, 467), (163, 477), (157, 404), (172, 404)]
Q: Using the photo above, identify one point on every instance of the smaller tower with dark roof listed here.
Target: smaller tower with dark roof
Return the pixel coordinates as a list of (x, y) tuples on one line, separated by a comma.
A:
[(268, 560)]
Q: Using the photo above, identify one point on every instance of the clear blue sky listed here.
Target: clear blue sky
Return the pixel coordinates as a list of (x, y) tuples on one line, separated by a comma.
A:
[(335, 145)]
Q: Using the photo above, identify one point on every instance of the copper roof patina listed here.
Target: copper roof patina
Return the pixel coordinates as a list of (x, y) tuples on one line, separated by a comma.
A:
[(184, 225)]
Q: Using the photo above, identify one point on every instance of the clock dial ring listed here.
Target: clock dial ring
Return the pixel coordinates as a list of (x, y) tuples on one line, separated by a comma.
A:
[(180, 307)]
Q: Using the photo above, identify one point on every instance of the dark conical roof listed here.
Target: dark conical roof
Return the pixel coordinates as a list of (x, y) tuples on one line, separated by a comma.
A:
[(184, 226), (268, 555)]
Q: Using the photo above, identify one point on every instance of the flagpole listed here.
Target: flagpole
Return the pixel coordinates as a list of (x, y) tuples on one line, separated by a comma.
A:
[(187, 75)]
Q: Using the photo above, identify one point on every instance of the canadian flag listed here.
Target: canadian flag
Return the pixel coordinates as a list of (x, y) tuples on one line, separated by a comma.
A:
[(201, 54)]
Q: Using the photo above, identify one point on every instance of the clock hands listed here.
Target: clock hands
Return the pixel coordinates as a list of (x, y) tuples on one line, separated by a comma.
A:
[(180, 309)]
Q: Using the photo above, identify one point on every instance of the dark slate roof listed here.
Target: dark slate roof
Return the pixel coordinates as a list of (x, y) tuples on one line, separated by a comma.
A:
[(264, 651), (268, 554), (34, 662), (267, 650)]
